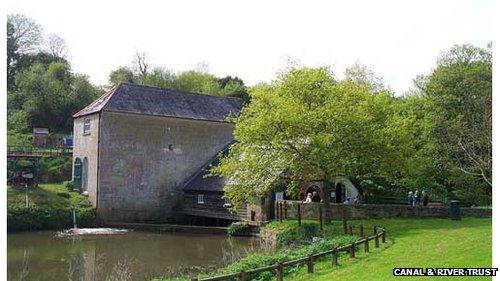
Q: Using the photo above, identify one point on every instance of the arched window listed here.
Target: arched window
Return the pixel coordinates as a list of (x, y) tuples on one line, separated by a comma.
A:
[(85, 174), (77, 173)]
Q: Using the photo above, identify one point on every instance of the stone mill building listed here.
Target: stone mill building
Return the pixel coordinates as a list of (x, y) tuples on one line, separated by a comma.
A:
[(141, 153)]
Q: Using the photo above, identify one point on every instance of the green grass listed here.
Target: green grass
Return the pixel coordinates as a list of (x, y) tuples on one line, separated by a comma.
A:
[(49, 207), (414, 243), (45, 195)]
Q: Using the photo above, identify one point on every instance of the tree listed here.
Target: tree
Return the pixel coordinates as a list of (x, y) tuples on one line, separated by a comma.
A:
[(364, 75), (121, 74), (460, 93), (57, 46), (141, 64), (308, 126), (47, 96), (24, 36)]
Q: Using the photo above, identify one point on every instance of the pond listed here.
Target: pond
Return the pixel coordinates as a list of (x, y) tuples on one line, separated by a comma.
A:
[(135, 255)]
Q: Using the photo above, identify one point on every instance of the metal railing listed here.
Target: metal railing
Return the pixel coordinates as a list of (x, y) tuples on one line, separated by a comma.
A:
[(31, 151)]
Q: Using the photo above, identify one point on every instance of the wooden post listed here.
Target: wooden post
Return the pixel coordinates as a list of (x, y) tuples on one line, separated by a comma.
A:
[(279, 271), (281, 211), (277, 210), (352, 250), (298, 214), (320, 217), (367, 245), (241, 276), (374, 230), (383, 236), (335, 256), (376, 241), (284, 211), (310, 264), (361, 231), (350, 230)]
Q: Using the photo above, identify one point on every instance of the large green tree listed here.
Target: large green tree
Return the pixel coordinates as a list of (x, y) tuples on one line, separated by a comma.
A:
[(308, 126), (459, 94)]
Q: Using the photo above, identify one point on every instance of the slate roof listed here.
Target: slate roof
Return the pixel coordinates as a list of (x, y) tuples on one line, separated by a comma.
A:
[(201, 181), (147, 100)]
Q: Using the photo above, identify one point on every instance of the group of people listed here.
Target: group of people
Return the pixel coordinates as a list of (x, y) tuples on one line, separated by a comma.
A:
[(417, 199), (313, 197)]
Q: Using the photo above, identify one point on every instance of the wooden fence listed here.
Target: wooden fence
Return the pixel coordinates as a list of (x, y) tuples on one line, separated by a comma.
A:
[(278, 269)]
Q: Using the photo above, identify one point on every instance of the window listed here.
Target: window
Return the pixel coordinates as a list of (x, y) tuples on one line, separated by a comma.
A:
[(227, 202), (201, 198), (86, 126)]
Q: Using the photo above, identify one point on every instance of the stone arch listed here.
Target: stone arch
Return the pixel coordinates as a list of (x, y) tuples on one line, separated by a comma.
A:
[(344, 188)]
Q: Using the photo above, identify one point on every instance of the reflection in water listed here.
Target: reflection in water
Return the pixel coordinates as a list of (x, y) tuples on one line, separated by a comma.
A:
[(131, 256)]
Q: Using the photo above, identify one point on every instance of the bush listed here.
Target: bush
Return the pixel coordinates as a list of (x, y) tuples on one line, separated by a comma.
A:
[(239, 229), (70, 186), (36, 218), (56, 169)]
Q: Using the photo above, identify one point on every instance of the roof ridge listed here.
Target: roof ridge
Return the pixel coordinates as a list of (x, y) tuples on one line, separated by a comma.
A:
[(180, 91)]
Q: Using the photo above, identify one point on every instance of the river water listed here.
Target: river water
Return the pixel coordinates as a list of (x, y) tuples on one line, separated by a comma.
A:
[(135, 255)]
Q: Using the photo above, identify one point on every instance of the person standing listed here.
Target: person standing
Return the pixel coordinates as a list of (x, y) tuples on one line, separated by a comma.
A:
[(416, 202), (425, 198), (410, 199)]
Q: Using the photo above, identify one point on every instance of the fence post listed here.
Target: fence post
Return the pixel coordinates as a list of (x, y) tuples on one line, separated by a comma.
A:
[(383, 236), (376, 241), (310, 264), (321, 217), (374, 230), (284, 206), (361, 231), (279, 271), (367, 245), (344, 220), (350, 230), (352, 250), (335, 256), (298, 214), (277, 210), (241, 276), (281, 211)]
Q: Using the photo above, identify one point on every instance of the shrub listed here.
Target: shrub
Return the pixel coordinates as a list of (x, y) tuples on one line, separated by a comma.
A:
[(69, 185), (63, 195), (36, 217)]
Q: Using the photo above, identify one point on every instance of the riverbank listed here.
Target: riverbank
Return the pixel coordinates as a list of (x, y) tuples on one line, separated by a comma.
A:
[(49, 207), (411, 243), (289, 242)]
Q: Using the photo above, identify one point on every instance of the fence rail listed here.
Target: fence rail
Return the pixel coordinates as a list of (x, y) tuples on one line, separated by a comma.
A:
[(278, 269), (30, 151)]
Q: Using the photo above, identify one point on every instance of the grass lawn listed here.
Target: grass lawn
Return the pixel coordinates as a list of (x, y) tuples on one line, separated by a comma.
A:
[(413, 243), (56, 196), (50, 206)]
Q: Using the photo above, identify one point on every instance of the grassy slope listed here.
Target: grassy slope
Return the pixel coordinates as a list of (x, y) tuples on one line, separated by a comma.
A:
[(45, 195), (414, 243)]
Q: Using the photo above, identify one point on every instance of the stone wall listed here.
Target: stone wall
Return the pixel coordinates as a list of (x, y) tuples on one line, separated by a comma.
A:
[(368, 211), (86, 146), (144, 160)]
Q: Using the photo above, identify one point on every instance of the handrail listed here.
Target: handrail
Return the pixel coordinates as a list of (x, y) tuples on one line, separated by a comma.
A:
[(309, 260)]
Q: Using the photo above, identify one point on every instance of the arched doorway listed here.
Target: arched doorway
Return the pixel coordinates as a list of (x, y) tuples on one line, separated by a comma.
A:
[(77, 173), (85, 173), (339, 193)]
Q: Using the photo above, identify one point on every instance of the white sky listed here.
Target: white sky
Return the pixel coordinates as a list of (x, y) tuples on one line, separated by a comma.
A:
[(253, 39)]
